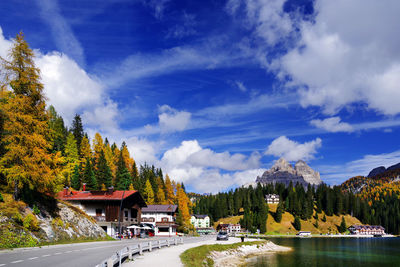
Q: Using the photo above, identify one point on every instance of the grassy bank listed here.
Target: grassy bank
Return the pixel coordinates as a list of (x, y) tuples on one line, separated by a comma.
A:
[(198, 256), (316, 225)]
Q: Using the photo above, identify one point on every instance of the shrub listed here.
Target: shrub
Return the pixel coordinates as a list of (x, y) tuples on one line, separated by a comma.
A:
[(12, 239), (30, 222), (17, 217), (36, 210), (297, 223)]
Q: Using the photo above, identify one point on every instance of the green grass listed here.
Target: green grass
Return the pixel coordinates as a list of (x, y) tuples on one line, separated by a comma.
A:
[(198, 256)]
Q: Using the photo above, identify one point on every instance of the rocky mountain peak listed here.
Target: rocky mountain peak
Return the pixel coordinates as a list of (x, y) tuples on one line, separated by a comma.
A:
[(283, 172), (283, 166)]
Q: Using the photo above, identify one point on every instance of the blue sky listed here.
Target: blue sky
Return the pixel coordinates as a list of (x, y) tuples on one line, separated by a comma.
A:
[(215, 91)]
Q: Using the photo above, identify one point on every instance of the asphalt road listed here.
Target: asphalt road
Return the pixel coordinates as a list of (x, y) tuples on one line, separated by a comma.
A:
[(79, 255)]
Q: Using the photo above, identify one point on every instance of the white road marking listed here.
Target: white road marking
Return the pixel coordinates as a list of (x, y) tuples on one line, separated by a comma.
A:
[(69, 251), (58, 253), (47, 255), (32, 258), (2, 264), (17, 261)]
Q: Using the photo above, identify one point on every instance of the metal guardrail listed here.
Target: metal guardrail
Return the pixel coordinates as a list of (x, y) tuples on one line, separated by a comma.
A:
[(118, 257)]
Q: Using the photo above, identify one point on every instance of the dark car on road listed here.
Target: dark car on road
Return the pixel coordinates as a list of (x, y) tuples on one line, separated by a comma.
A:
[(222, 236)]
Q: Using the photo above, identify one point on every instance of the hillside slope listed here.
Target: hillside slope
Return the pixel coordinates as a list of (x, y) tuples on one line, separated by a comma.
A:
[(23, 226), (286, 225)]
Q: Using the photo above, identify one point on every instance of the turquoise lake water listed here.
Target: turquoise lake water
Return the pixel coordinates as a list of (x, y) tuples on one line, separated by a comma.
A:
[(350, 252)]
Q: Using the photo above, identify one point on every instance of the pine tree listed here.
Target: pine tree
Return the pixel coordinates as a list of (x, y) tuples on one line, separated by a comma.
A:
[(88, 176), (148, 193), (103, 172), (342, 227), (297, 223), (124, 179), (27, 161), (77, 130), (279, 212), (324, 218), (76, 179), (58, 130)]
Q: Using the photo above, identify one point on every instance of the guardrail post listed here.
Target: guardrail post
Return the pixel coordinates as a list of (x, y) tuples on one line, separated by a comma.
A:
[(159, 243), (110, 262), (150, 247), (168, 242), (130, 253), (140, 249), (176, 241)]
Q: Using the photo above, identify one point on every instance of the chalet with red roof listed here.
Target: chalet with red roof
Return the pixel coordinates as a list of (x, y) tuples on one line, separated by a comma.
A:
[(111, 209)]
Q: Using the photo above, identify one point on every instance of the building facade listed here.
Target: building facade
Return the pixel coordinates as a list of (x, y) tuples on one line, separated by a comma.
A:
[(230, 228), (272, 199), (367, 230), (200, 221), (114, 210), (162, 219)]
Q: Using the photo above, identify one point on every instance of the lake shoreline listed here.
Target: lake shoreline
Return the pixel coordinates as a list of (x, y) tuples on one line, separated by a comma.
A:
[(238, 256)]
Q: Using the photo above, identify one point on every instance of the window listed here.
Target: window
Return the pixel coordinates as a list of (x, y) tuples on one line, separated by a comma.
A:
[(99, 212), (125, 213), (163, 230), (164, 219)]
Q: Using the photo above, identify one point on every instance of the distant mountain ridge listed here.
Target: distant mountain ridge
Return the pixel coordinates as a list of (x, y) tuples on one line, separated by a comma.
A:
[(283, 172), (382, 169)]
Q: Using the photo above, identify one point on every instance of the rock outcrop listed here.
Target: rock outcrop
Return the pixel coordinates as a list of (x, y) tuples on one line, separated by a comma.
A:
[(283, 172), (382, 169)]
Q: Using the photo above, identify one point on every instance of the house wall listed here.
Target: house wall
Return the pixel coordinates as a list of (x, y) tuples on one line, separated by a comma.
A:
[(200, 223), (158, 216)]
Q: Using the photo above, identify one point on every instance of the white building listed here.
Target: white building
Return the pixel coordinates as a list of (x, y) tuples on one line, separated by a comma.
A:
[(367, 230), (200, 221), (161, 217), (230, 228), (272, 199)]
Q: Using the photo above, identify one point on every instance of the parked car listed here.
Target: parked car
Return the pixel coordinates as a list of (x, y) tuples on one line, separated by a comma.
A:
[(222, 236)]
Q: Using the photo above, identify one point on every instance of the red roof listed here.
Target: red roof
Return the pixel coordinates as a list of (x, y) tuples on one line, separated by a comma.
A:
[(95, 195)]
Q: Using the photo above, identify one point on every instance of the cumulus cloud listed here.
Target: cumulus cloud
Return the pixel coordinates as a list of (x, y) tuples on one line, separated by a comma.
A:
[(142, 150), (331, 61), (190, 163), (70, 89), (292, 150), (333, 125), (172, 120)]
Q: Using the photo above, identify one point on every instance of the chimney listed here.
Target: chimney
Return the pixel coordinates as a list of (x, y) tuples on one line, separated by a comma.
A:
[(66, 191), (84, 187), (110, 190)]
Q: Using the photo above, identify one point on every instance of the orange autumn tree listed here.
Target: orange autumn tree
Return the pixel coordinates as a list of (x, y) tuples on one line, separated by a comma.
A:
[(169, 190), (27, 160)]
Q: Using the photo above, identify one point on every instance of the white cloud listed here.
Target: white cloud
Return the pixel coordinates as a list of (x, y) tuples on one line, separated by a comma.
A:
[(336, 174), (333, 61), (206, 170), (292, 150), (171, 120), (71, 90), (333, 125), (62, 33), (241, 86), (158, 6), (142, 150)]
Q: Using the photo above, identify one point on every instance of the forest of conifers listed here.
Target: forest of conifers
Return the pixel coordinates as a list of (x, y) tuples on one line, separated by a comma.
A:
[(301, 203)]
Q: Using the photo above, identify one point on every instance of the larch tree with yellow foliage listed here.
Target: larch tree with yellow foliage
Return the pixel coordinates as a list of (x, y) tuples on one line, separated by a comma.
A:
[(169, 191), (86, 150), (148, 193), (183, 219), (160, 196), (98, 147), (27, 160)]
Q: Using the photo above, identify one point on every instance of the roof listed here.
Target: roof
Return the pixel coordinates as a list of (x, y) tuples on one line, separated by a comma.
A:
[(160, 208), (200, 216), (95, 195), (367, 227)]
